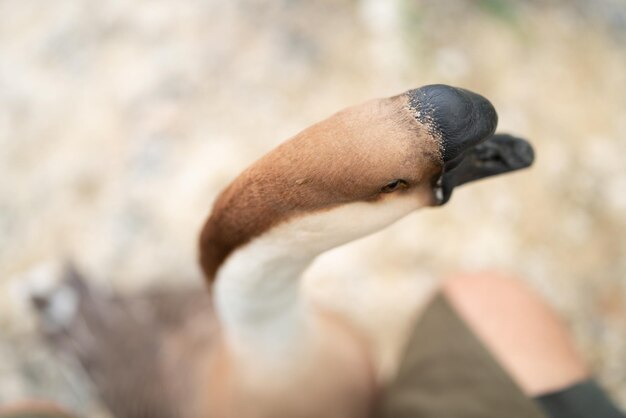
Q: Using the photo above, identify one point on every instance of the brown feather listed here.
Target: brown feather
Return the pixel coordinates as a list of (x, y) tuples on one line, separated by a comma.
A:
[(345, 158)]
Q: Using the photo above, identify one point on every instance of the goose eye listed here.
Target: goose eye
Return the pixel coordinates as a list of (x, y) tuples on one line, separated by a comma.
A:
[(394, 185)]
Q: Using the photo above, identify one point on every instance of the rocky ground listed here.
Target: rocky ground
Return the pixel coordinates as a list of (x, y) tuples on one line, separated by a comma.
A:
[(121, 121)]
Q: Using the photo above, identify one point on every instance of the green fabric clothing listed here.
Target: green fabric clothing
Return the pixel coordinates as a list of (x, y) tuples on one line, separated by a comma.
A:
[(446, 372)]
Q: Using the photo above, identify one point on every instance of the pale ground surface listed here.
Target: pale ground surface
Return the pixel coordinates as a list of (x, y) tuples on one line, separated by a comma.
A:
[(121, 121)]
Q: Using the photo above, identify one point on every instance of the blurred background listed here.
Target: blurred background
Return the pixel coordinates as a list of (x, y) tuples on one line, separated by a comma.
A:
[(121, 121)]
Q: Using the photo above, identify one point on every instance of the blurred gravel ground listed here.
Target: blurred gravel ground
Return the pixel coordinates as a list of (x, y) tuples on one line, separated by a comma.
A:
[(121, 121)]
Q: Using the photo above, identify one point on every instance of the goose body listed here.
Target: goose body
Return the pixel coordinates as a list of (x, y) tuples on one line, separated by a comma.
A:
[(272, 352)]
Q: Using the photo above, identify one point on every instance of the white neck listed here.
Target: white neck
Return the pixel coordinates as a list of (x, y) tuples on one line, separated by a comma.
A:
[(257, 295), (257, 292)]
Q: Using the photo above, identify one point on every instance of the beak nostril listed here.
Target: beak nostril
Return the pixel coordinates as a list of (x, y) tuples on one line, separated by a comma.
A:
[(524, 152)]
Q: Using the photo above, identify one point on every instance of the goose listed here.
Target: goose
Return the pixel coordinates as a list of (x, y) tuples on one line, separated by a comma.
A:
[(271, 351), (341, 179)]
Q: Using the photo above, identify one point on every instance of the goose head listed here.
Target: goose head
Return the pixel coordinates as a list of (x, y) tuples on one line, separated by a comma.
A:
[(360, 170)]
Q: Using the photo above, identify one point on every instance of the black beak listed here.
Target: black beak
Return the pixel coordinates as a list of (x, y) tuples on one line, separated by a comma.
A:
[(499, 154), (465, 123)]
